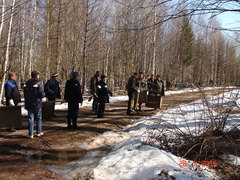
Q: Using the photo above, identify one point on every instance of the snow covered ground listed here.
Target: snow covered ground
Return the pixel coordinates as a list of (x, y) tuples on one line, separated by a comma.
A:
[(131, 159)]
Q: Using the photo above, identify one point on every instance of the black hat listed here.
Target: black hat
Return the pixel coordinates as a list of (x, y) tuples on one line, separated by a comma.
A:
[(158, 76), (103, 76)]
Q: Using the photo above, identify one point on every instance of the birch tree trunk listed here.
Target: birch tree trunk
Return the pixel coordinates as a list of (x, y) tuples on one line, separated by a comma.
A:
[(59, 38), (7, 50), (2, 19), (106, 64), (32, 46), (85, 47), (22, 64), (154, 42), (48, 43)]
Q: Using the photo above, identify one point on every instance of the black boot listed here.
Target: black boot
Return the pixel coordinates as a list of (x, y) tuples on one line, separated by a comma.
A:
[(75, 124), (130, 112), (69, 124)]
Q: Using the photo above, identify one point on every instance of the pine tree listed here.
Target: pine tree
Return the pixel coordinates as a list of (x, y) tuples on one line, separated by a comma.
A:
[(186, 45)]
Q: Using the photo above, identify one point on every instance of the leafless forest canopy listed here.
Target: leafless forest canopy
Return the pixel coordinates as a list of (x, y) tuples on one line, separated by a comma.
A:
[(180, 40)]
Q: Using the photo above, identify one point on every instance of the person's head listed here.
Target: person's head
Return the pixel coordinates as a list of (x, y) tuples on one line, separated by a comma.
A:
[(55, 76), (158, 77), (103, 78), (35, 74), (152, 76), (135, 75), (97, 73), (141, 75), (75, 75), (12, 77)]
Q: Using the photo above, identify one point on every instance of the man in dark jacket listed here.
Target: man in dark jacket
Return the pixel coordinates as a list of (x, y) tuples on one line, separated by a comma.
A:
[(103, 97), (12, 93), (159, 86), (33, 94), (150, 82), (93, 91), (131, 88), (52, 90), (73, 96)]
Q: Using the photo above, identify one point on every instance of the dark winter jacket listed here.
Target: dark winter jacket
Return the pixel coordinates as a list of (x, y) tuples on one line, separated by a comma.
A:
[(131, 86), (159, 87), (12, 92), (51, 89), (103, 92), (93, 84), (150, 83), (73, 92), (33, 94)]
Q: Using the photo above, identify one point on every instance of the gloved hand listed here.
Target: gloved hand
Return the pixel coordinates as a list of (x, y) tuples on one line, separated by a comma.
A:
[(11, 102), (44, 99), (51, 92), (138, 91)]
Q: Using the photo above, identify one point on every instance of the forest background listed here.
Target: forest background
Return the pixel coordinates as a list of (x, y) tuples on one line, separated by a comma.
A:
[(181, 40)]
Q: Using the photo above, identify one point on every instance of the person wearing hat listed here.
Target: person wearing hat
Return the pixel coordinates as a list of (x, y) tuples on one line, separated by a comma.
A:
[(52, 90), (102, 93), (73, 96), (12, 93)]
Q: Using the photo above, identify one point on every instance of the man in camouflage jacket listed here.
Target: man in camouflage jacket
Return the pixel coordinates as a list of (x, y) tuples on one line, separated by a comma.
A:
[(142, 85)]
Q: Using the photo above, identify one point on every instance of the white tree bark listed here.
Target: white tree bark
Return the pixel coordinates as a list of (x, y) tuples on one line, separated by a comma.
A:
[(48, 45), (106, 63), (32, 45), (154, 42), (7, 50), (2, 19)]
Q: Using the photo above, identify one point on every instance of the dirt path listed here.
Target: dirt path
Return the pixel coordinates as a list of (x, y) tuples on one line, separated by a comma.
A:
[(14, 165)]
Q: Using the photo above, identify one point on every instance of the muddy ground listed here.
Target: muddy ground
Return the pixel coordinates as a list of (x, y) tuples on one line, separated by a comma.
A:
[(15, 165)]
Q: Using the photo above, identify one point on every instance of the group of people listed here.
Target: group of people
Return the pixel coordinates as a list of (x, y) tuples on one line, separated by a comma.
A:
[(137, 83), (34, 92)]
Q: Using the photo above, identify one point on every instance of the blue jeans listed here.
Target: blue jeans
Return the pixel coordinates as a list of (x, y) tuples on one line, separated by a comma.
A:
[(31, 113)]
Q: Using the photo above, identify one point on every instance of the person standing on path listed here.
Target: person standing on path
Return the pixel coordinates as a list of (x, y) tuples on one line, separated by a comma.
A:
[(142, 85), (93, 91), (150, 82), (103, 97), (12, 94), (159, 86), (33, 94), (73, 96), (52, 90), (131, 89)]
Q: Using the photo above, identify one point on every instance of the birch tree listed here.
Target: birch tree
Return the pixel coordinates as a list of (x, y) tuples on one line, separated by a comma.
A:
[(7, 49)]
